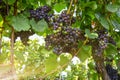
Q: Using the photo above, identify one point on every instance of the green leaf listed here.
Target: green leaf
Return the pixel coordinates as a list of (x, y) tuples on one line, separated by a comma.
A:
[(92, 5), (59, 6), (112, 7), (39, 26), (19, 56), (63, 59), (103, 21), (20, 23), (115, 23), (87, 31), (3, 57), (51, 63), (111, 50), (1, 21), (118, 13), (10, 2), (90, 35), (48, 2), (91, 65), (118, 64), (85, 52)]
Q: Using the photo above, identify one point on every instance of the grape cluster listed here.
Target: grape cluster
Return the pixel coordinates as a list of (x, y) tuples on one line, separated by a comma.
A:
[(40, 13), (113, 73), (66, 19), (104, 39), (62, 20), (65, 40)]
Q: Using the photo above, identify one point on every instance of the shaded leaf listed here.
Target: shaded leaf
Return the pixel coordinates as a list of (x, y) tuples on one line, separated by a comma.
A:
[(111, 50), (115, 23), (103, 21), (10, 2), (20, 23), (112, 7), (39, 26), (91, 4)]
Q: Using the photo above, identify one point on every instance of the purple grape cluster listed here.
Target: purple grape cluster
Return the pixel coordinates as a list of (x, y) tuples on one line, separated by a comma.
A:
[(113, 73), (104, 39), (65, 18), (65, 40), (62, 20), (40, 13)]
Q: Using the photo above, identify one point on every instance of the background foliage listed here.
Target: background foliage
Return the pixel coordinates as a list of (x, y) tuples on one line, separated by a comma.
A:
[(33, 61)]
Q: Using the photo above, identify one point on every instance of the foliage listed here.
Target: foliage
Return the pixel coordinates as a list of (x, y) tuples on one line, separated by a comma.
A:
[(87, 29)]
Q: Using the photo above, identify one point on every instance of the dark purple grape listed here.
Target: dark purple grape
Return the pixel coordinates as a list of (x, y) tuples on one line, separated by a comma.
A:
[(40, 13), (64, 41), (113, 73), (104, 39)]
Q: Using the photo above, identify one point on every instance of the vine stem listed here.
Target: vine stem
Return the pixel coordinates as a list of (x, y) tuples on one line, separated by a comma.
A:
[(81, 46), (12, 45), (70, 7)]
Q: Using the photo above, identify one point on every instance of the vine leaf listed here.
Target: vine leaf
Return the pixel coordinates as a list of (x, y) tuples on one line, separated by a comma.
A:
[(48, 2), (20, 23), (103, 21), (1, 21), (59, 6), (90, 35), (63, 59), (85, 52), (115, 23), (91, 4), (110, 50), (112, 7), (51, 63), (10, 2), (39, 26), (19, 56)]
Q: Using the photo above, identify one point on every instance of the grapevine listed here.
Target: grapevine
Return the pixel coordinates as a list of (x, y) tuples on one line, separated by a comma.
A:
[(86, 29)]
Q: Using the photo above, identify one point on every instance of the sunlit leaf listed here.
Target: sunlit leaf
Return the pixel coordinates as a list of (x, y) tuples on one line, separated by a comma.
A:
[(85, 52), (51, 63), (59, 6), (63, 59), (1, 21), (90, 35)]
